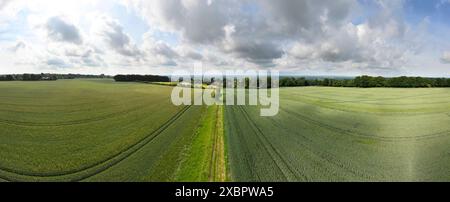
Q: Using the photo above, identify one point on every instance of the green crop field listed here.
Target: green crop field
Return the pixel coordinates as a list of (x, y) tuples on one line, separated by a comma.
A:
[(343, 134), (96, 130), (101, 130)]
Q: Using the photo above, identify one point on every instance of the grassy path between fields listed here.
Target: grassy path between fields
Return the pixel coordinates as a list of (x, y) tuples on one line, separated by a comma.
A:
[(217, 171), (205, 160)]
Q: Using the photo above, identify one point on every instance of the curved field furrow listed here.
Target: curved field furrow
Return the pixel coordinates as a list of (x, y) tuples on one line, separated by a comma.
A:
[(407, 104), (346, 134), (102, 165), (272, 157), (367, 135), (69, 108), (268, 142), (334, 100), (74, 122), (384, 113), (53, 105), (305, 144), (245, 152)]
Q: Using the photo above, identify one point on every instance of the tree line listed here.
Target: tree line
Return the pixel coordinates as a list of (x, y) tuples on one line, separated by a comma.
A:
[(143, 78), (368, 82), (46, 77), (27, 77)]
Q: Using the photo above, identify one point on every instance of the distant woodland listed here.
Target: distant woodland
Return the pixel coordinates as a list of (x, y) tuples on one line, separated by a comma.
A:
[(46, 77)]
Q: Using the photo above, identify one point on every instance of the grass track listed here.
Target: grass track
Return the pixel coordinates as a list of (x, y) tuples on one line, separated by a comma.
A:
[(205, 158), (217, 163)]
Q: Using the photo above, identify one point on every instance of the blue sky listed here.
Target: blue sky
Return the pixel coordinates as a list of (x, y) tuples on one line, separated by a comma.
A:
[(437, 10), (329, 37)]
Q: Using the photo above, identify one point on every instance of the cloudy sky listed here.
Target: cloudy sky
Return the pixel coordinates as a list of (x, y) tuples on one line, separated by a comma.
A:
[(306, 37)]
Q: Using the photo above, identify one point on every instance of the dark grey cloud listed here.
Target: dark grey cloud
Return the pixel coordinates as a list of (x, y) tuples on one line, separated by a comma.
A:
[(92, 61), (114, 35), (204, 23), (363, 46), (261, 53), (297, 34), (169, 63), (305, 18), (260, 37), (264, 32), (198, 21), (158, 52), (57, 62), (260, 27), (60, 30), (85, 56), (194, 55), (19, 45), (165, 50)]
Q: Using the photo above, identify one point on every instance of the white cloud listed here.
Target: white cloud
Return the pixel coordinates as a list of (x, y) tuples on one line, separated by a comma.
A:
[(445, 58), (257, 36), (320, 28), (291, 35), (198, 21)]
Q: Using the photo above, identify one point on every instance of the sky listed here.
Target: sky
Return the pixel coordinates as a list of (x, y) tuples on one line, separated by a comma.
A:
[(302, 37)]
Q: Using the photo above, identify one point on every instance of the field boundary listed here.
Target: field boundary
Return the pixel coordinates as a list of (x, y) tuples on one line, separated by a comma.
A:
[(212, 161), (217, 170)]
